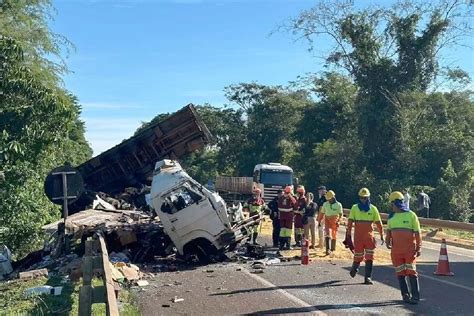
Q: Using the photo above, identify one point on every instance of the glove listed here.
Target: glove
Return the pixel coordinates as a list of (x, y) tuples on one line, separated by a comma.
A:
[(417, 252), (388, 245)]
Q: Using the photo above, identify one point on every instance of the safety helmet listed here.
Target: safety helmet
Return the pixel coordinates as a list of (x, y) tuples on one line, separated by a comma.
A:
[(330, 195), (300, 189), (287, 189), (396, 195), (364, 192), (257, 191)]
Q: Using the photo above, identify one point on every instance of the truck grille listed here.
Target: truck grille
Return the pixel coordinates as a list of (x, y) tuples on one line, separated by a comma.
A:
[(270, 193)]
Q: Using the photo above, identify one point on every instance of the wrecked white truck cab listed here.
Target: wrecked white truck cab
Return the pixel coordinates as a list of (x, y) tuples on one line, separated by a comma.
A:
[(196, 219)]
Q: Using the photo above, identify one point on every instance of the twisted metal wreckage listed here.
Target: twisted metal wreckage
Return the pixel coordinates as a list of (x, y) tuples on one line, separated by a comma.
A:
[(151, 208)]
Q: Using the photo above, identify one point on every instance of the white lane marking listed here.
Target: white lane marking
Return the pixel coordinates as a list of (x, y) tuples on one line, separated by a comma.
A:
[(443, 257), (313, 310), (422, 275)]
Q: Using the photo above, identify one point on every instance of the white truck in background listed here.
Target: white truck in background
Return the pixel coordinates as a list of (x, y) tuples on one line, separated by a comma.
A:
[(269, 178), (196, 219)]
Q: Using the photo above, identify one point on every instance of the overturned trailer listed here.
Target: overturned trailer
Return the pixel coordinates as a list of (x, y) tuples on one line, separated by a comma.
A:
[(131, 163)]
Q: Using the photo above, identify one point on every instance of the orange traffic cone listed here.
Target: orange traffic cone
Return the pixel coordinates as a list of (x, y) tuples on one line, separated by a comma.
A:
[(443, 262)]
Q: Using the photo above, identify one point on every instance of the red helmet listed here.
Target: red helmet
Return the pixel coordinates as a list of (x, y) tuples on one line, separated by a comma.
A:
[(288, 189)]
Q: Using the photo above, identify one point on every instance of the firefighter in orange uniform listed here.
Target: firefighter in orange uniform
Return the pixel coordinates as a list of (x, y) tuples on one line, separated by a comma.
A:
[(299, 227), (403, 237), (362, 216), (286, 206)]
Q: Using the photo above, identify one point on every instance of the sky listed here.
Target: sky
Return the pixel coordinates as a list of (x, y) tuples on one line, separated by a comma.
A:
[(134, 59)]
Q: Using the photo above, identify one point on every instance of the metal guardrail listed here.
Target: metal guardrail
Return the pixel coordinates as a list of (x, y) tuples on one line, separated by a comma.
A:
[(96, 260), (438, 223)]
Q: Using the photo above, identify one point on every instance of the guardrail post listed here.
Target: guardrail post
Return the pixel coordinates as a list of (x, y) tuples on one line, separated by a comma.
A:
[(89, 295)]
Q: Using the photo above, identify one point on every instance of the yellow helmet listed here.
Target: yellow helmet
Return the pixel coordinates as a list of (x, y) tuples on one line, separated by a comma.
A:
[(330, 195), (364, 192), (397, 195)]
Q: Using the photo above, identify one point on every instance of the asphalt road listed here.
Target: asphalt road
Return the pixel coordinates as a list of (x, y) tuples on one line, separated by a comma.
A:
[(322, 287)]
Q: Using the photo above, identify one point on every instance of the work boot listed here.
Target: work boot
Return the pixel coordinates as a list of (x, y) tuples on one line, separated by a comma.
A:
[(404, 289), (333, 244), (415, 289), (368, 272), (328, 250), (297, 240), (281, 243), (254, 238), (288, 243), (355, 269)]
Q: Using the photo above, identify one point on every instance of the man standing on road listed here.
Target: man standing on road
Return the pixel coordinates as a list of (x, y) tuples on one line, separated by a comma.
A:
[(362, 216), (274, 216), (423, 204), (299, 227), (403, 237), (309, 219), (332, 213), (256, 206), (321, 199), (286, 206)]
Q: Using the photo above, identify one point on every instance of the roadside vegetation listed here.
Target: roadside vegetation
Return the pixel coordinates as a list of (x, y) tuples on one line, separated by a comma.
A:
[(14, 302), (386, 112)]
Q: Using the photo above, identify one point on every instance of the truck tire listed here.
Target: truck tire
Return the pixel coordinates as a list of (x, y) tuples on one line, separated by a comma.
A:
[(202, 249)]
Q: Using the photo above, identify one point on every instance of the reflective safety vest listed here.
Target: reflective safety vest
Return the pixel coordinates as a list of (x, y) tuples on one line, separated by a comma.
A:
[(330, 210), (404, 230), (363, 220), (255, 205)]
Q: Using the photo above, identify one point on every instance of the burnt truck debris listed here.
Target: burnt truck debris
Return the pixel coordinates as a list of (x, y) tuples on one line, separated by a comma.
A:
[(185, 216), (196, 219)]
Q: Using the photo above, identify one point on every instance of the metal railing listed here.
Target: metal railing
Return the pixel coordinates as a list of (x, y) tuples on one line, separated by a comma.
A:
[(96, 261), (438, 223)]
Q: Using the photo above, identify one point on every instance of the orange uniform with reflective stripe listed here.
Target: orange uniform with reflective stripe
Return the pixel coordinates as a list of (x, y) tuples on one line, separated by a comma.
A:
[(332, 213), (403, 234), (364, 242)]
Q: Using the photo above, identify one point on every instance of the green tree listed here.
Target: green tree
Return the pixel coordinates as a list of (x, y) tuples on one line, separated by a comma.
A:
[(40, 126)]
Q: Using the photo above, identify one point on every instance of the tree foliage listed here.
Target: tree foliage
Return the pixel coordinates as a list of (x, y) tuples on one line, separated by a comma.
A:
[(39, 122)]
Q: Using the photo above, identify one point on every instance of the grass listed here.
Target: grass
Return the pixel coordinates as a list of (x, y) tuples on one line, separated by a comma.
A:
[(13, 302), (459, 233)]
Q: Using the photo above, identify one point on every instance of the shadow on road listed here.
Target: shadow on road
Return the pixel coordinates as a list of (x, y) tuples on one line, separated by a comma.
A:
[(346, 307), (440, 295), (287, 287)]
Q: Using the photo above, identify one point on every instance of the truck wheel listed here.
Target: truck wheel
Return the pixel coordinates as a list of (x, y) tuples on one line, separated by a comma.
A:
[(202, 249)]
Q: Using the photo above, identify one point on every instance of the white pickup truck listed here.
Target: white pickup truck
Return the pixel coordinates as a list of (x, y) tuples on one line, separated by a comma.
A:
[(196, 219)]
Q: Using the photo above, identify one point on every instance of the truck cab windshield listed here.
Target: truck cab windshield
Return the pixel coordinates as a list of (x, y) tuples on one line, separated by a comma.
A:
[(277, 178), (179, 199)]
